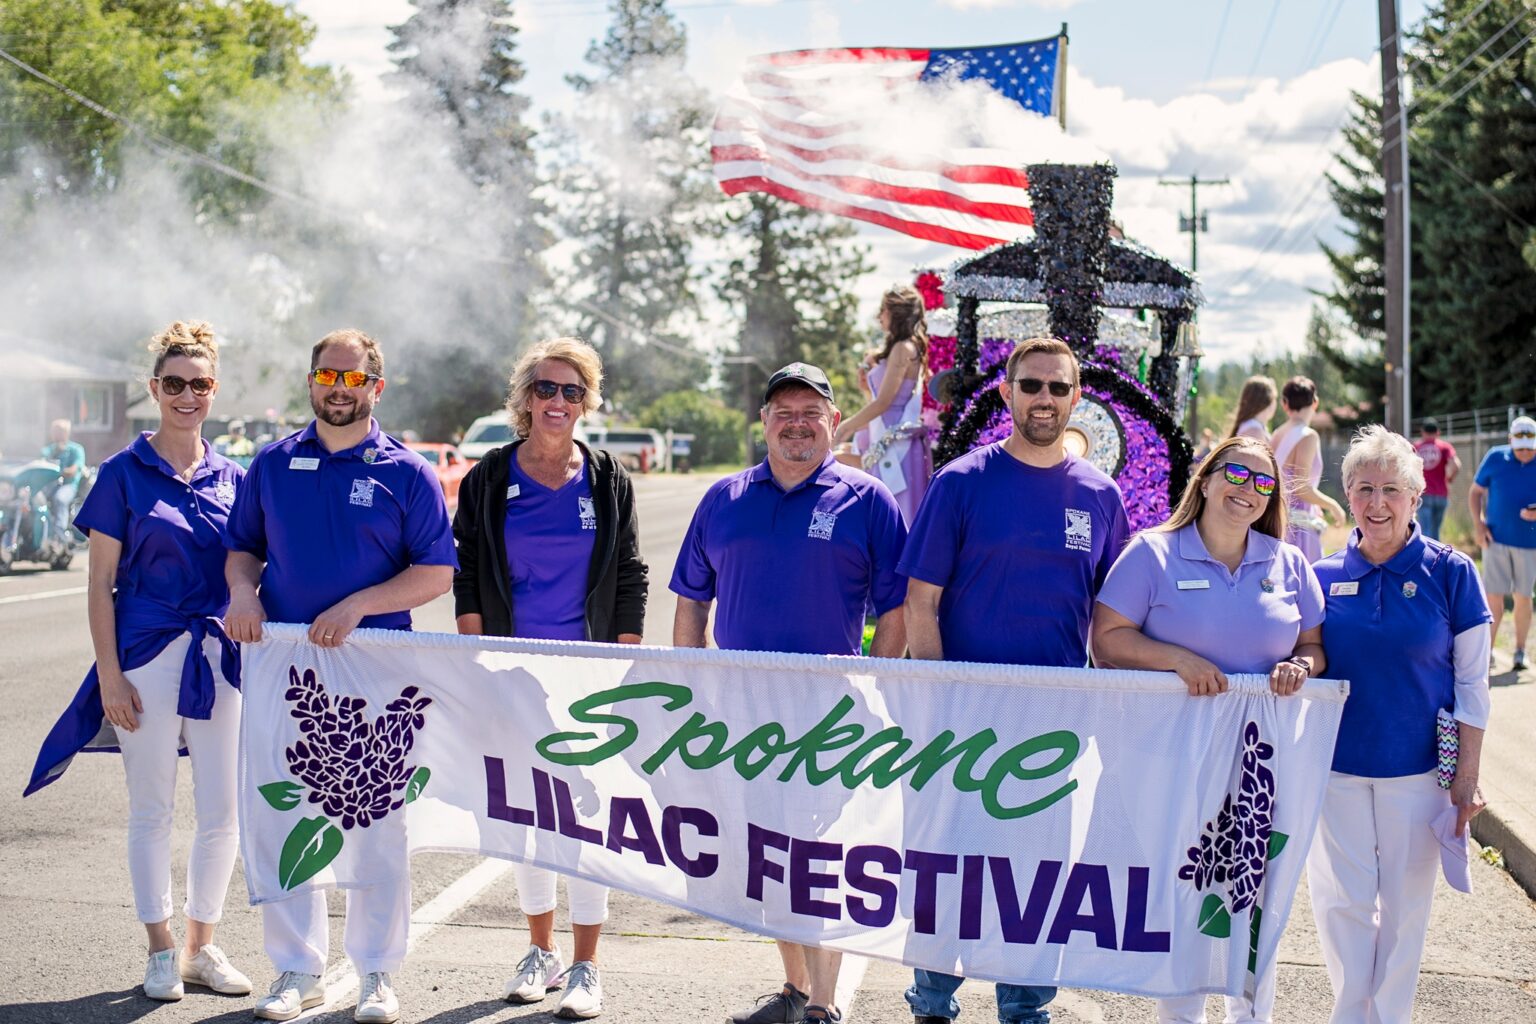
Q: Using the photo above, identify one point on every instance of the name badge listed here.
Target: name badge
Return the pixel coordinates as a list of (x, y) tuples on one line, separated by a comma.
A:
[(1349, 589), (301, 463), (513, 491), (1194, 584)]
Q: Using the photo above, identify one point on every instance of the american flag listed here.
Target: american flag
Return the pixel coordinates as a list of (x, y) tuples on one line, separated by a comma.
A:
[(815, 127)]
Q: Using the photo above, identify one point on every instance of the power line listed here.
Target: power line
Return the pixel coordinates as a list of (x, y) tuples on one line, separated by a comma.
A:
[(1221, 31), (1263, 40), (1484, 74)]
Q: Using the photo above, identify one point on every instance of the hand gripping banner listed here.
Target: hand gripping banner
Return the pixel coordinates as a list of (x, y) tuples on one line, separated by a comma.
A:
[(1092, 829)]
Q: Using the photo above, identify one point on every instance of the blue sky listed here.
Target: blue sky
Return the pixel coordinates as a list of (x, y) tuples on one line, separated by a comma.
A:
[(1249, 89)]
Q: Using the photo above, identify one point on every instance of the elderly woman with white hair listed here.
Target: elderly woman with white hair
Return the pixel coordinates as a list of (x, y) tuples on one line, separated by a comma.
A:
[(1407, 625)]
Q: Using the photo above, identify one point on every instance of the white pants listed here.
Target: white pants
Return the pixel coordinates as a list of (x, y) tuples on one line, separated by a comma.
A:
[(297, 931), (149, 764), (1191, 1009), (536, 894), (1372, 874)]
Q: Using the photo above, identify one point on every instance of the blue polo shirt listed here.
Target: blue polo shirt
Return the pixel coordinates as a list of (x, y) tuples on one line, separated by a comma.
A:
[(794, 570), (1391, 631), (1511, 486), (549, 536), (1244, 621), (1020, 552), (329, 524)]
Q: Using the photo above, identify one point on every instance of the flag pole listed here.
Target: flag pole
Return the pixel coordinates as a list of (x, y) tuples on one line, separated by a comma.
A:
[(1061, 79)]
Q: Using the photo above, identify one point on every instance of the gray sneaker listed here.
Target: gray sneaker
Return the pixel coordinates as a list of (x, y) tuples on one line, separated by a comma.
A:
[(786, 1006), (583, 996), (1519, 661), (538, 973)]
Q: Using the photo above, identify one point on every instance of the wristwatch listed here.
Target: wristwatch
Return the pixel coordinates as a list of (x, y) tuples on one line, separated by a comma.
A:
[(1303, 662)]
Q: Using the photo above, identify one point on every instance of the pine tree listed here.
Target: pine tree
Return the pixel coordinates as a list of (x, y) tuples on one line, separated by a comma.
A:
[(633, 192), (457, 60), (793, 289)]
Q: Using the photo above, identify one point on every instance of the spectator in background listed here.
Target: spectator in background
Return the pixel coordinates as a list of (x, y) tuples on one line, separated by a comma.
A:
[(1255, 407), (238, 446), (71, 459), (1503, 505), (1299, 451), (1441, 467)]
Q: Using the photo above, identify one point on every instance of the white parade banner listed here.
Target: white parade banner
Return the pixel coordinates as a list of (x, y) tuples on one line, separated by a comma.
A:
[(1093, 829)]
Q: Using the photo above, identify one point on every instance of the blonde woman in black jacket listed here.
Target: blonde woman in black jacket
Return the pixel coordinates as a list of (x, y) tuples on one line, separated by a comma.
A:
[(549, 549)]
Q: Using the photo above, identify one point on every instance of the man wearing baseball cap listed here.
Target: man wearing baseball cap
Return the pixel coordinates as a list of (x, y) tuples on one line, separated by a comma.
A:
[(794, 550), (1503, 504)]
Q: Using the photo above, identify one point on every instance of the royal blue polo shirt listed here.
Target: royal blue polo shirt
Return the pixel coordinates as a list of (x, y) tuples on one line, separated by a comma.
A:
[(794, 570), (1511, 486), (328, 524), (1020, 552), (549, 536), (1391, 631)]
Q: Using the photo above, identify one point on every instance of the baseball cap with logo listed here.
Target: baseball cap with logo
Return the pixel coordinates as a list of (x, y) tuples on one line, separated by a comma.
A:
[(1522, 433), (799, 373)]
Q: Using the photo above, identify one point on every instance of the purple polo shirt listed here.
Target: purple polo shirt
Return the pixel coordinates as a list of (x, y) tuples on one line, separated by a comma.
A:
[(794, 570), (329, 524), (1020, 552), (1391, 631), (549, 536), (1243, 621)]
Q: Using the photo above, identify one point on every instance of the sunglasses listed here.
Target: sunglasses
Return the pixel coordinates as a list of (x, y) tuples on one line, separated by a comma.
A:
[(1238, 474), (1518, 433), (351, 378), (1032, 386), (201, 386), (573, 393)]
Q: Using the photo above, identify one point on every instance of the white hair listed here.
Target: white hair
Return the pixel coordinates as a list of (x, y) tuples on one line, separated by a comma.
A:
[(1377, 446)]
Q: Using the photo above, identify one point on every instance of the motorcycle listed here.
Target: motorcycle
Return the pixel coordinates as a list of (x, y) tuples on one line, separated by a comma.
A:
[(27, 531)]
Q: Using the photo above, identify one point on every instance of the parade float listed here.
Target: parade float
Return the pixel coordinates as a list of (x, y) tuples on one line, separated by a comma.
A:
[(1126, 312)]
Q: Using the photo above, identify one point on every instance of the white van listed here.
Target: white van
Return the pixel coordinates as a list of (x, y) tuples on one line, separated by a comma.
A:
[(638, 448)]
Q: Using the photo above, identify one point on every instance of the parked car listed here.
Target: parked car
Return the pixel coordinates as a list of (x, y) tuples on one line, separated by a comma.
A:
[(638, 448), (493, 431), (449, 464)]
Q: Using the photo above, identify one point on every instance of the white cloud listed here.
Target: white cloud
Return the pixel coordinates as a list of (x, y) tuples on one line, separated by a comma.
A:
[(990, 5)]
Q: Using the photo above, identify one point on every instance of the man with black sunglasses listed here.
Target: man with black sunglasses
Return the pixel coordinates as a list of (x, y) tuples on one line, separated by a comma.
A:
[(338, 526), (1009, 548)]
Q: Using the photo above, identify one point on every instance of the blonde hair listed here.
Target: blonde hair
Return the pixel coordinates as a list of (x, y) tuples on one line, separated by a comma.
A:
[(1192, 505), (1375, 445), (1258, 394), (374, 357), (191, 338), (1049, 346), (576, 354)]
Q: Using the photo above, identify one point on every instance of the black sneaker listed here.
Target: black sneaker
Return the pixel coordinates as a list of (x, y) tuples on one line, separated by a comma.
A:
[(928, 1019), (826, 1016), (1519, 661), (786, 1006)]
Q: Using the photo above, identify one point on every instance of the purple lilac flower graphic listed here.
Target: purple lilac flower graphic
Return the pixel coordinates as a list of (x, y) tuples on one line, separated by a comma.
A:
[(1234, 847)]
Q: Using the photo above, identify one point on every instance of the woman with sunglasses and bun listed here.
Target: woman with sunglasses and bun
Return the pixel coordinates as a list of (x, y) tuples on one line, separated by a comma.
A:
[(166, 676), (1213, 591), (549, 549)]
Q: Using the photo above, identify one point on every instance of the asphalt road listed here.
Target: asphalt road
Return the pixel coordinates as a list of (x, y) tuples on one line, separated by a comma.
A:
[(76, 953)]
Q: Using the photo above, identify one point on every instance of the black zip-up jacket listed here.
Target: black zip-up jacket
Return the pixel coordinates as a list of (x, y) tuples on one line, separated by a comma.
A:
[(616, 578)]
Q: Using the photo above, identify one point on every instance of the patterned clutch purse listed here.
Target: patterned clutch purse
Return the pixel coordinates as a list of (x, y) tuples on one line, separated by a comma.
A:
[(1449, 746)]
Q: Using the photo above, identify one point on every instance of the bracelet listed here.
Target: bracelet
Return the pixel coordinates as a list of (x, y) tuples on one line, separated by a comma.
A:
[(1306, 665)]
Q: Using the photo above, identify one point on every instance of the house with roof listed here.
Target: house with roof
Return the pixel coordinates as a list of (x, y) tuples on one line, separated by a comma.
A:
[(44, 382)]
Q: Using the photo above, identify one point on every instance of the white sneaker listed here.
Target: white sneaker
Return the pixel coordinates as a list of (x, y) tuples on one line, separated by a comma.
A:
[(583, 992), (212, 969), (160, 978), (376, 1002), (290, 995), (537, 974)]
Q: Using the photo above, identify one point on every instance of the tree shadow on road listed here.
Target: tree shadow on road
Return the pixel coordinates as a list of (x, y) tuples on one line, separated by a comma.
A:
[(492, 1007), (122, 1007)]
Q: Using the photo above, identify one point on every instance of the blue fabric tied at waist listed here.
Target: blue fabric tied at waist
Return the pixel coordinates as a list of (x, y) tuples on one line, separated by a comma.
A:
[(143, 632)]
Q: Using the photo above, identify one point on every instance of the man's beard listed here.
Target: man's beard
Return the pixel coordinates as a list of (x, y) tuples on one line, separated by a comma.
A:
[(341, 417), (806, 454), (1041, 434)]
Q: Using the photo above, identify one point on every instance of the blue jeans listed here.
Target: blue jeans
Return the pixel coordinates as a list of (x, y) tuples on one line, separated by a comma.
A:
[(1432, 514), (933, 995)]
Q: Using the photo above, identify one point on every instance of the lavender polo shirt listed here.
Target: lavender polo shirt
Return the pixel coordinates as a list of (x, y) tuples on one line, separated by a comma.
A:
[(329, 524), (794, 570), (1391, 631), (549, 536), (1020, 552), (1243, 621)]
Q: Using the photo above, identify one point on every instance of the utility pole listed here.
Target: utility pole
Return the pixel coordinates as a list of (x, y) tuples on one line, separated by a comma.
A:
[(1197, 221), (1394, 171)]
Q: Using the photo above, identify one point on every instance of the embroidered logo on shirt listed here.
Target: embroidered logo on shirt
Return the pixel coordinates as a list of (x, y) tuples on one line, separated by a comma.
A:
[(588, 512), (1079, 530), (1410, 589), (821, 525), (224, 492), (362, 492)]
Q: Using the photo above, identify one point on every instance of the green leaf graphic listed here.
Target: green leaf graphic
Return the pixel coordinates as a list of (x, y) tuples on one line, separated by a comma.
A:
[(283, 796), (418, 783), (1214, 919), (1277, 841), (1253, 938), (313, 843)]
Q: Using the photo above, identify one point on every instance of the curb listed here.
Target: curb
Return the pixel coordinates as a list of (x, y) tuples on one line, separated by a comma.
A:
[(1490, 829)]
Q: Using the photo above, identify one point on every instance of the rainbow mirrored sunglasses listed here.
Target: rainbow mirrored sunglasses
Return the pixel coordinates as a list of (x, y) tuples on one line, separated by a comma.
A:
[(1238, 474)]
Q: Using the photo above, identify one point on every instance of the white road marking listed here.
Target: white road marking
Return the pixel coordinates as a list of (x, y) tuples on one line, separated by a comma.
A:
[(848, 981), (17, 599), (341, 981)]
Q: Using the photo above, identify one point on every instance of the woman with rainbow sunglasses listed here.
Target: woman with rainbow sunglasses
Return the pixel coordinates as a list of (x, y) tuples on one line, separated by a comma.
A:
[(1217, 590)]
